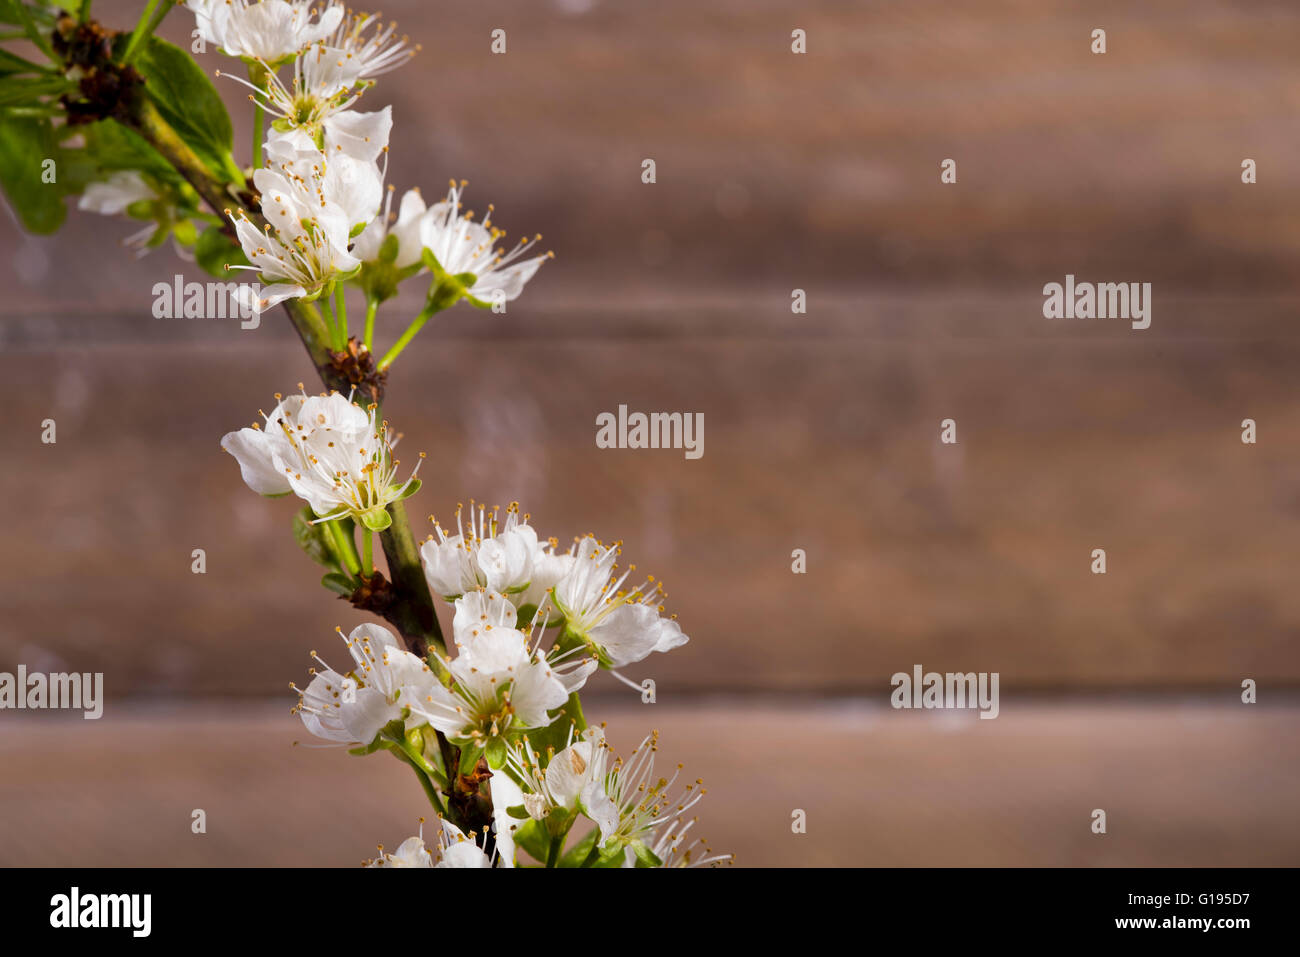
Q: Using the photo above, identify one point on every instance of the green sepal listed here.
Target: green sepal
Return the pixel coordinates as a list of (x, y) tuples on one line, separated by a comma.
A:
[(532, 837), (376, 519), (518, 812), (185, 232), (315, 541), (411, 489), (379, 744), (559, 820), (644, 856), (496, 753), (469, 759), (526, 614), (575, 855)]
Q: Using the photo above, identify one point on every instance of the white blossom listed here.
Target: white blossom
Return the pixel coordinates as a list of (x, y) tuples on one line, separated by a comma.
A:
[(461, 246), (371, 47), (621, 626), (303, 249), (112, 196), (353, 708), (327, 451), (484, 552), (502, 684), (410, 853), (266, 30), (405, 230)]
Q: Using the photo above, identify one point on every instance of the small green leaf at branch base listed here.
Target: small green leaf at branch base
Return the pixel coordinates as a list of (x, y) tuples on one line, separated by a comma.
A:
[(314, 540), (339, 583)]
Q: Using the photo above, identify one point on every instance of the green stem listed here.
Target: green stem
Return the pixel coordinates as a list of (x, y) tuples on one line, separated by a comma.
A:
[(84, 13), (341, 310), (346, 546), (165, 9), (372, 306), (593, 854), (140, 32), (557, 843), (328, 298), (259, 122), (145, 119), (416, 325), (368, 552), (430, 791)]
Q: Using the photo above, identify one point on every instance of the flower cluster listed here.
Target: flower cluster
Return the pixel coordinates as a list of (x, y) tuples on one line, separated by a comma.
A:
[(582, 592), (322, 187), (509, 697), (490, 721)]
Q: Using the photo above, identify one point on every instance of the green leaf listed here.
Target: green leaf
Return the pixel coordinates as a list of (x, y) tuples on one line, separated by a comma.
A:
[(30, 90), (188, 101), (114, 147), (313, 539), (532, 837), (340, 583), (215, 249), (25, 143)]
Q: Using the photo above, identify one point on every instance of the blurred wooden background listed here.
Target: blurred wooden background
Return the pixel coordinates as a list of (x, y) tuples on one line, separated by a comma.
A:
[(775, 171)]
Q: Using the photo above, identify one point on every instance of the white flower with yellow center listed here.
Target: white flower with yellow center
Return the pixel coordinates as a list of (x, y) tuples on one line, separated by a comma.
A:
[(558, 783), (633, 808), (404, 228), (267, 30), (466, 251), (317, 102), (455, 849), (353, 708), (291, 422), (327, 451), (501, 684), (485, 552), (621, 626), (303, 249), (371, 47)]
